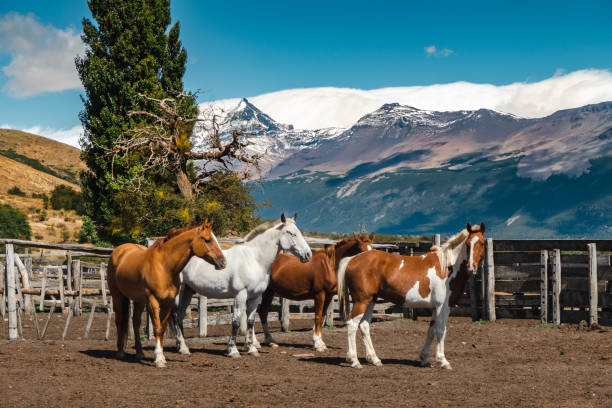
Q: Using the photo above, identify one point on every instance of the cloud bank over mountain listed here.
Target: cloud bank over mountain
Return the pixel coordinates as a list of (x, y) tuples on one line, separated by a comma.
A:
[(316, 108)]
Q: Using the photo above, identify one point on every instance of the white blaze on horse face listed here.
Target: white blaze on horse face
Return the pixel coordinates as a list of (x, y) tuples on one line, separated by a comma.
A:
[(471, 261)]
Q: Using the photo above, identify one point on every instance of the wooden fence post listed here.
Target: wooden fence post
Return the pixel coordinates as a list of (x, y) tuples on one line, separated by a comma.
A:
[(329, 317), (203, 315), (592, 283), (10, 292), (3, 287), (436, 239), (28, 303), (543, 286), (556, 295), (474, 299), (285, 303), (490, 280), (78, 286)]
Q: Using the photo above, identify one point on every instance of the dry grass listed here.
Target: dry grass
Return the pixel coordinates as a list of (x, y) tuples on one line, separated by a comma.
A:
[(54, 155)]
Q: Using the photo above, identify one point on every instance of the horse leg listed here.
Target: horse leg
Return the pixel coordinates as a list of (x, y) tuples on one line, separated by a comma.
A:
[(430, 335), (250, 334), (352, 323), (138, 308), (321, 304), (264, 307), (364, 327), (239, 304), (121, 304), (178, 314), (158, 330), (440, 330)]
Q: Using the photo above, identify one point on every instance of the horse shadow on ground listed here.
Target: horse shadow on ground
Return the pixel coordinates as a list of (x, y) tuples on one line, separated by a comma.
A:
[(342, 361), (130, 357), (304, 346)]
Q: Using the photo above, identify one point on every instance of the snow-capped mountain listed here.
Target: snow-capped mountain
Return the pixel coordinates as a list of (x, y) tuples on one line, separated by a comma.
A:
[(272, 140), (401, 169)]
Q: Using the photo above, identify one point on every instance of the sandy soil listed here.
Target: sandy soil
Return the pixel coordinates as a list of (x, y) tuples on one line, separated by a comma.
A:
[(507, 363)]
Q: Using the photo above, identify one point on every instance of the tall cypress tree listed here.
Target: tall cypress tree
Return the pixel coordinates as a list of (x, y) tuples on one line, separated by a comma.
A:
[(129, 54)]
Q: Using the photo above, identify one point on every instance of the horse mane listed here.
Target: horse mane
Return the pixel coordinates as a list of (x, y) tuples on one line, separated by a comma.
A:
[(443, 251), (171, 234), (261, 228)]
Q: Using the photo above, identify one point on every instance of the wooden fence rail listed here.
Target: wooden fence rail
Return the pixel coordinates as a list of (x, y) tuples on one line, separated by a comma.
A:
[(519, 278)]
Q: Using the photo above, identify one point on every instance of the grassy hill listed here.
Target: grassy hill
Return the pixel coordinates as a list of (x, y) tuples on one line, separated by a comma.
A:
[(36, 165)]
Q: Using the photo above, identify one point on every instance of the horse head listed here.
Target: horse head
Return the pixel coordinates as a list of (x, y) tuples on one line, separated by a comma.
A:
[(363, 242), (475, 246), (291, 239), (205, 246)]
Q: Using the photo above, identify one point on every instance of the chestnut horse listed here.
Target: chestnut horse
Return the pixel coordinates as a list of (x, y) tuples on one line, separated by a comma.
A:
[(315, 279), (151, 276), (435, 280)]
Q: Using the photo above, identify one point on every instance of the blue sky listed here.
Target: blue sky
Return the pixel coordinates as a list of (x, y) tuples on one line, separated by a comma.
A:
[(249, 48)]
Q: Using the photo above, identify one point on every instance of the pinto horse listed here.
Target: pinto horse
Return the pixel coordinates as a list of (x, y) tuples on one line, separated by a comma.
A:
[(315, 279), (435, 280), (151, 276)]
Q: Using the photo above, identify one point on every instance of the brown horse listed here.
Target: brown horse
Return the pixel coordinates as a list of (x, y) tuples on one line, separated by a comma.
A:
[(435, 280), (315, 279), (151, 276)]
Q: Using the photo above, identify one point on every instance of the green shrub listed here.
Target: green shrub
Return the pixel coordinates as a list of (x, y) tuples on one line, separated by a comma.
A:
[(16, 191), (13, 223), (66, 198)]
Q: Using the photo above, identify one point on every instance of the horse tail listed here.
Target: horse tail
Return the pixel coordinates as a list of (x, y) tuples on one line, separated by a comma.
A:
[(342, 291)]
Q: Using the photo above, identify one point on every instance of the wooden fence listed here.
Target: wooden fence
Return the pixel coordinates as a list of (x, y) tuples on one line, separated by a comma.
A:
[(553, 280)]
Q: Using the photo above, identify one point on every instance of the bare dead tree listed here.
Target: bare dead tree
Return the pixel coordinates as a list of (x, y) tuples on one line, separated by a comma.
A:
[(164, 141)]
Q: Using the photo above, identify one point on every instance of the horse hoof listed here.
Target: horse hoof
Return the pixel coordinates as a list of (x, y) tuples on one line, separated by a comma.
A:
[(254, 352), (273, 344), (140, 356), (447, 366), (184, 351), (356, 365), (376, 362), (426, 364), (234, 354), (160, 364), (320, 349)]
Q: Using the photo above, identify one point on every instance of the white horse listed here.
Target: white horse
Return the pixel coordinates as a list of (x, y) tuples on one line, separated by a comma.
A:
[(245, 278)]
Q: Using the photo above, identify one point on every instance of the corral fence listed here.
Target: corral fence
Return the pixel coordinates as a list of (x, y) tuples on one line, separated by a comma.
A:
[(553, 280)]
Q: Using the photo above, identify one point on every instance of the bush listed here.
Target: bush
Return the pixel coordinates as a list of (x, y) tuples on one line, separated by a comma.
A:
[(66, 198), (13, 223), (16, 191), (88, 233)]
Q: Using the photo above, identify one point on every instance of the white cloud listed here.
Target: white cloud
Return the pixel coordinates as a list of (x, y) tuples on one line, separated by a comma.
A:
[(315, 108), (68, 136), (432, 51), (41, 57)]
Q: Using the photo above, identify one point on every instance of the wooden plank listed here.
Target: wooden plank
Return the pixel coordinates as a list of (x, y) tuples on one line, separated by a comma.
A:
[(70, 312), (28, 303), (42, 289), (518, 286), (42, 335), (76, 267), (556, 293), (581, 284), (109, 315), (517, 300), (60, 288), (511, 258), (491, 275), (592, 283), (102, 283), (474, 299), (603, 273), (2, 286), (602, 260), (543, 286), (202, 316), (570, 298), (68, 247), (90, 320), (551, 244), (285, 303), (436, 240), (517, 272), (10, 292)]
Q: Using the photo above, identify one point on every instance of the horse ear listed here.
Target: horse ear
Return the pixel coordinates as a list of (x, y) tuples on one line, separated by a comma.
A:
[(482, 227), (295, 217), (371, 236), (355, 236), (329, 249), (469, 227), (283, 219)]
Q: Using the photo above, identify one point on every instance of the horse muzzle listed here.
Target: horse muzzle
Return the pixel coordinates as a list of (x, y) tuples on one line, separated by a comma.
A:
[(220, 264), (305, 258)]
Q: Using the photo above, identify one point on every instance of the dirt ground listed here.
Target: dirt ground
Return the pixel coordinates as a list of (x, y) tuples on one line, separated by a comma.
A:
[(513, 363)]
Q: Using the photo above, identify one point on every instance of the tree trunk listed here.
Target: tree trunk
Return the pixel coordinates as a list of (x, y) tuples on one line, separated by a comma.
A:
[(184, 185)]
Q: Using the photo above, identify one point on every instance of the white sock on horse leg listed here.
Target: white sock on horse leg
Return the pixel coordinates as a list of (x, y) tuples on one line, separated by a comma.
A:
[(351, 355), (371, 356)]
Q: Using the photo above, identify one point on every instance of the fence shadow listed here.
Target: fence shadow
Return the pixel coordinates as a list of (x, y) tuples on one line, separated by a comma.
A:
[(342, 361)]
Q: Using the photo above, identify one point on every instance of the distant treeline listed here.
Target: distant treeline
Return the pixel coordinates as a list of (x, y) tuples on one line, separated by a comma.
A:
[(64, 174)]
